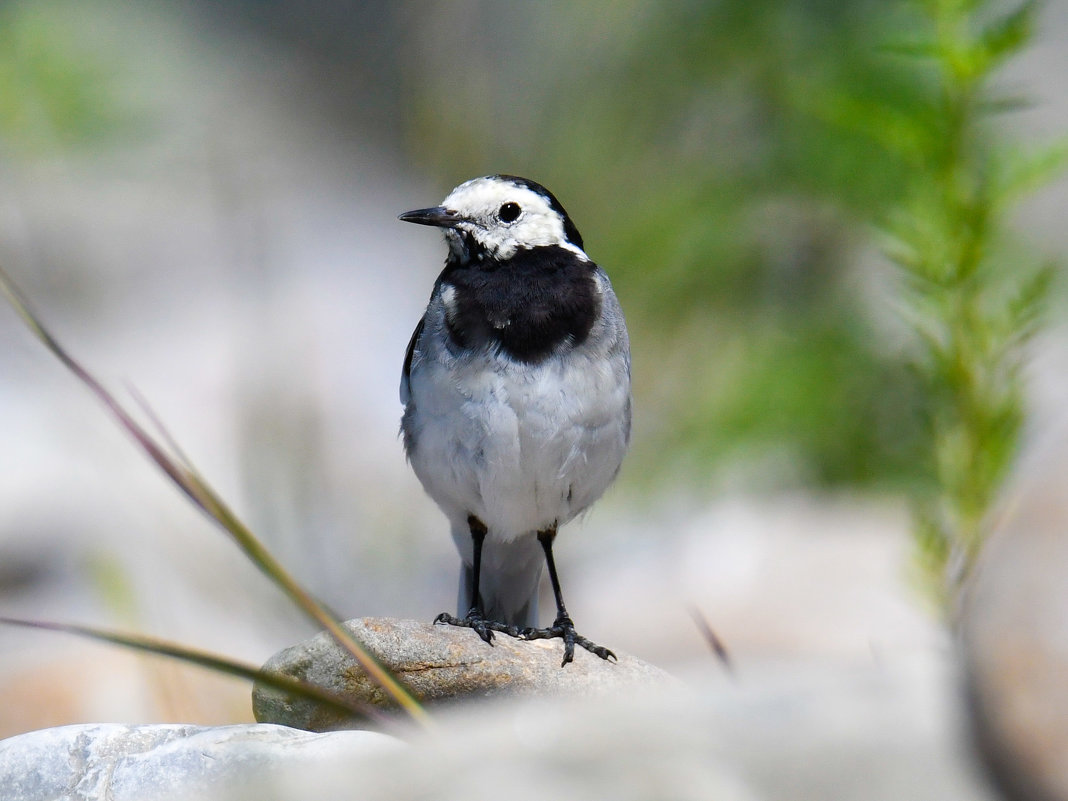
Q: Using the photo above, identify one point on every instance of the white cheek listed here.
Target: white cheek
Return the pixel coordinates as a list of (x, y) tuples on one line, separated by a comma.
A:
[(499, 242), (539, 231), (544, 230)]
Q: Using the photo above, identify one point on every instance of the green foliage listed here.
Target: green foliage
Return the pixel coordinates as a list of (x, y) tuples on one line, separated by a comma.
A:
[(971, 295), (811, 370), (55, 89)]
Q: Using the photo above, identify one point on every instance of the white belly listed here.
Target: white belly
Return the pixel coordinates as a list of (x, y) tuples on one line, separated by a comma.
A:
[(522, 448)]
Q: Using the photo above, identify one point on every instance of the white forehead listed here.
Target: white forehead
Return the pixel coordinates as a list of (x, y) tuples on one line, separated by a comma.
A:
[(484, 196)]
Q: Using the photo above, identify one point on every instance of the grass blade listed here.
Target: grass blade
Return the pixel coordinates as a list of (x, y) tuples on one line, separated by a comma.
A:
[(220, 664), (189, 481), (713, 640)]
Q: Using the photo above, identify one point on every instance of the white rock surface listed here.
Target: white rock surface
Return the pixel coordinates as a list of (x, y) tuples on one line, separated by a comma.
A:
[(168, 761), (888, 732)]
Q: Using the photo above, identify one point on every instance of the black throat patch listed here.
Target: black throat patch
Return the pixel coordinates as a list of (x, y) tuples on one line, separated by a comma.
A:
[(527, 305)]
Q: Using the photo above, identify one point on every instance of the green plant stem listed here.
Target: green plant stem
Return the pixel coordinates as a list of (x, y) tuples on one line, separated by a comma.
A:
[(973, 308)]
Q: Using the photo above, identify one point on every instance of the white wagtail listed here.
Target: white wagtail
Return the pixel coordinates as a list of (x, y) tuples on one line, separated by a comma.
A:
[(516, 393)]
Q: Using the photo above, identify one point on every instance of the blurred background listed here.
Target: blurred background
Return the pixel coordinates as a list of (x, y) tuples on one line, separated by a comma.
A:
[(200, 198)]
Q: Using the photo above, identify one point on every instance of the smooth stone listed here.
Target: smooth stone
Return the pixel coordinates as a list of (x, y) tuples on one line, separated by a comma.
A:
[(439, 664), (886, 731), (169, 761), (1014, 624)]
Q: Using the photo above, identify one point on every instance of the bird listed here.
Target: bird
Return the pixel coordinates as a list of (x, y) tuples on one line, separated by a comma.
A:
[(516, 389)]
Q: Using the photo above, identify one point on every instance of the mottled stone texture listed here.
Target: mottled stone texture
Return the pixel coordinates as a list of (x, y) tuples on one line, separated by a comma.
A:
[(150, 762), (440, 664)]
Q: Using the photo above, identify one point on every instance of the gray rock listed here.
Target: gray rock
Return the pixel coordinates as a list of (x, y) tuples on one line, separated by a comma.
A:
[(1014, 622), (155, 762), (440, 664), (882, 732)]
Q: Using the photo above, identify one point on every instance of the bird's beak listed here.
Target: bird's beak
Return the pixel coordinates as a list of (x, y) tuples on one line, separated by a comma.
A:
[(438, 216)]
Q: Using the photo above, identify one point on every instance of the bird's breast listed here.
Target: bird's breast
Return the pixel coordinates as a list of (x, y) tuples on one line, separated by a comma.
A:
[(521, 446)]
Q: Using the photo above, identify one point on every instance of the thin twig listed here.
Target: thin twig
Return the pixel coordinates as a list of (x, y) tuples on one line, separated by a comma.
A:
[(713, 640)]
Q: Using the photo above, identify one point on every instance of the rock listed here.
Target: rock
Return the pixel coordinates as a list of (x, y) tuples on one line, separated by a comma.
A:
[(1014, 632), (164, 761), (439, 664), (885, 731)]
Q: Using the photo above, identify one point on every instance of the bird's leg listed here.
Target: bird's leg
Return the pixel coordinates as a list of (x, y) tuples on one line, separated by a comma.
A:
[(562, 627), (475, 617)]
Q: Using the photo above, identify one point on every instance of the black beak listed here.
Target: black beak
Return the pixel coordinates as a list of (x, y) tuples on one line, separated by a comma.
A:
[(438, 216)]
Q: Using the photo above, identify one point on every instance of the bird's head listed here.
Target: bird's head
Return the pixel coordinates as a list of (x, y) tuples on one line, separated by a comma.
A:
[(495, 216)]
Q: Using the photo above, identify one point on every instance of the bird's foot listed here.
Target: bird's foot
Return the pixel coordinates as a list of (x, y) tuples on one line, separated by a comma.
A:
[(482, 627), (563, 628)]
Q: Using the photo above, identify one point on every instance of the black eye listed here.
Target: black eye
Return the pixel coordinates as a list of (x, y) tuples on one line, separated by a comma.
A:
[(509, 212)]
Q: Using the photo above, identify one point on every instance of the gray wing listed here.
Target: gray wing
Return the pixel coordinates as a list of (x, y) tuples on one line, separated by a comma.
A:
[(406, 372)]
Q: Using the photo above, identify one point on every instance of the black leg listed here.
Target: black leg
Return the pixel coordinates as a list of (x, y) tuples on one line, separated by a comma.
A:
[(546, 539), (562, 627), (475, 617), (478, 537)]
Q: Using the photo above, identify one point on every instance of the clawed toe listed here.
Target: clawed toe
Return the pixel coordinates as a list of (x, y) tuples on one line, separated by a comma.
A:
[(564, 628), (474, 620)]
